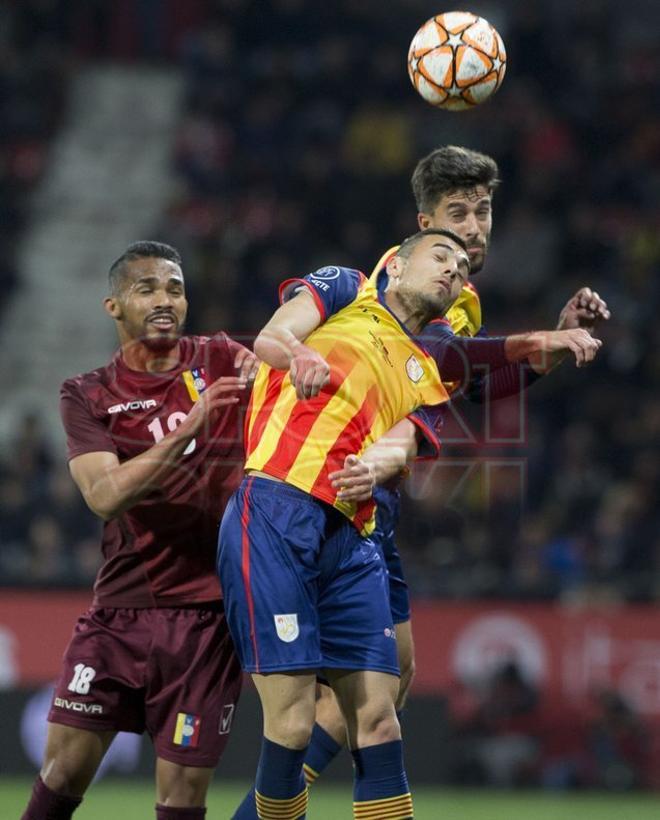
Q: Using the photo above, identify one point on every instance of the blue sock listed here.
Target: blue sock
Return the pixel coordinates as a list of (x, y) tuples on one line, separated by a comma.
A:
[(248, 808), (280, 789), (381, 786), (321, 751)]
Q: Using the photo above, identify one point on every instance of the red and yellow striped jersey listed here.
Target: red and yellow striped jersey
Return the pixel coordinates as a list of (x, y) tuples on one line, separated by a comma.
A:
[(379, 374)]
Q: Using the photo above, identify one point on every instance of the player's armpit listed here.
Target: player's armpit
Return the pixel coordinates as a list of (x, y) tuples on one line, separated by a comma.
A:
[(290, 325)]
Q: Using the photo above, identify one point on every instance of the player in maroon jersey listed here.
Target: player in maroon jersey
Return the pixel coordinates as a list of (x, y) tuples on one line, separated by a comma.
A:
[(155, 446)]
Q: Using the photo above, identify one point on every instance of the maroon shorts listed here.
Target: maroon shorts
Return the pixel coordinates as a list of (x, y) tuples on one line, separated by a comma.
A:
[(172, 672)]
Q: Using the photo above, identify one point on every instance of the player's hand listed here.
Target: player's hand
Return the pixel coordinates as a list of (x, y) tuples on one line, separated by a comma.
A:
[(247, 365), (356, 481), (309, 372), (576, 340), (584, 309), (220, 393)]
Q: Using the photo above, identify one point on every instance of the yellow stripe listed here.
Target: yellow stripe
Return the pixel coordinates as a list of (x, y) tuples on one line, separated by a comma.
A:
[(258, 395), (270, 808), (392, 808), (180, 723), (190, 384), (277, 421), (310, 774)]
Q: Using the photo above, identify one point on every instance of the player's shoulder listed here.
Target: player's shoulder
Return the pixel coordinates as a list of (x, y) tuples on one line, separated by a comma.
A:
[(338, 273), (384, 259), (84, 384), (331, 286), (464, 315)]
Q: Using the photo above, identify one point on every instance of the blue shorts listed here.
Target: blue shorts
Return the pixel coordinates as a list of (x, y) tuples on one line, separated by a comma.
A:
[(302, 588), (387, 517)]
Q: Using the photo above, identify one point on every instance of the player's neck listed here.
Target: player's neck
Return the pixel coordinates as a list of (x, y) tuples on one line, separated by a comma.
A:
[(413, 317), (138, 356)]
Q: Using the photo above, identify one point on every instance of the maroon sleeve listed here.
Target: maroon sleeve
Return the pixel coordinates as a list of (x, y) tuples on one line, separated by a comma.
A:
[(84, 433), (233, 347)]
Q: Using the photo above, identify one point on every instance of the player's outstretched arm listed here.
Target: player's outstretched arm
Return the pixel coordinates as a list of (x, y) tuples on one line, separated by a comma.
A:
[(110, 487), (280, 344), (381, 461)]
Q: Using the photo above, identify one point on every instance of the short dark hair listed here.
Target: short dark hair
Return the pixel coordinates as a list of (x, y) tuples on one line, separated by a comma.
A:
[(407, 246), (449, 168), (144, 249)]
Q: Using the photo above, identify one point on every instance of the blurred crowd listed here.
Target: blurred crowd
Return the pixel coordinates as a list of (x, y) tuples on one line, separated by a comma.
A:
[(297, 138)]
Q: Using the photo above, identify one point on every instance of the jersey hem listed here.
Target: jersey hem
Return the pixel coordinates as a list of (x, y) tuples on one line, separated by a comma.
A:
[(121, 603)]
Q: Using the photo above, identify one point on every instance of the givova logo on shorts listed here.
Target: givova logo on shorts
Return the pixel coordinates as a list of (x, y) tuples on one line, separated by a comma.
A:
[(287, 626)]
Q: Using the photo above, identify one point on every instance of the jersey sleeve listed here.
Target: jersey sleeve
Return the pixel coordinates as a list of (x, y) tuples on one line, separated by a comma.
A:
[(333, 288), (84, 432), (458, 356), (428, 421), (230, 349)]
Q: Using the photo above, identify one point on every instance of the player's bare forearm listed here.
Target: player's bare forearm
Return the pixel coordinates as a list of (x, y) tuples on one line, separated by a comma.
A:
[(381, 461), (110, 487), (545, 349)]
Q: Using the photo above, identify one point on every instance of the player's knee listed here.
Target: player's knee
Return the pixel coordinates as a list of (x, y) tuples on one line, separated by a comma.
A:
[(291, 729), (182, 785), (64, 774), (378, 725)]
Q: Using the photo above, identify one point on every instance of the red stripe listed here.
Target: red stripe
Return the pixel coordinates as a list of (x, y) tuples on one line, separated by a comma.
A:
[(273, 389), (311, 289), (348, 442), (365, 512), (304, 415), (440, 322), (245, 566)]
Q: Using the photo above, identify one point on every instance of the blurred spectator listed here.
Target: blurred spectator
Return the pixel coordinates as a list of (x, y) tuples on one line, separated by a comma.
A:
[(618, 744), (495, 737)]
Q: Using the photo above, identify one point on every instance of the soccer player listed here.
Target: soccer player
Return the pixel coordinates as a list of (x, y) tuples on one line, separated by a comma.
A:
[(453, 188), (304, 589), (155, 446)]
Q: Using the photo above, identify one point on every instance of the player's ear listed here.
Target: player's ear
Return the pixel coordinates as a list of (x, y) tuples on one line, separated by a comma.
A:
[(424, 221), (112, 307), (394, 267)]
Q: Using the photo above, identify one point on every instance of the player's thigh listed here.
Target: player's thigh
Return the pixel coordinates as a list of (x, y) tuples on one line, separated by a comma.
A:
[(193, 683), (357, 631), (182, 786), (269, 543), (405, 647), (72, 756)]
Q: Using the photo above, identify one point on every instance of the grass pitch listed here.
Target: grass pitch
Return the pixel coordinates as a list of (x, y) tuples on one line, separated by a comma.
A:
[(134, 800)]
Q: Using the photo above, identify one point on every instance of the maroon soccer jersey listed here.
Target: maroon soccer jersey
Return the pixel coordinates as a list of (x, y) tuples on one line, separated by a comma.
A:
[(160, 552)]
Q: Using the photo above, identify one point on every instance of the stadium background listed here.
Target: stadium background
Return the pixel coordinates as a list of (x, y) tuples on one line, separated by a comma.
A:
[(264, 139)]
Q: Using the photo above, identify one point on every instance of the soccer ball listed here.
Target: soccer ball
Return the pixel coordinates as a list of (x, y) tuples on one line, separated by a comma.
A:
[(456, 60)]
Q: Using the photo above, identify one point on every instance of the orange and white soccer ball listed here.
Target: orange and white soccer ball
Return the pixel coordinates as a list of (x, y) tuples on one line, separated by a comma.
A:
[(456, 60)]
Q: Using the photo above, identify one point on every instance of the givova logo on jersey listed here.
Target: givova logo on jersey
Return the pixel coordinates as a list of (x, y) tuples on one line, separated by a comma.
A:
[(286, 626)]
